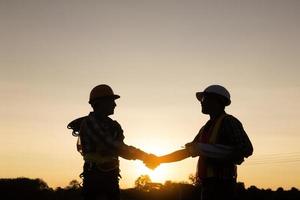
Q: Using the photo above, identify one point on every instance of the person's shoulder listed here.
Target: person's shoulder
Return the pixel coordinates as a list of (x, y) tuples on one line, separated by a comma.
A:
[(115, 123), (76, 123), (230, 119), (112, 120), (116, 126)]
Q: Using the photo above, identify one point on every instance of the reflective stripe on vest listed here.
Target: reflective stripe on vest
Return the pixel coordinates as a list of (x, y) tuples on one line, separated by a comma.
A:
[(210, 172), (213, 132)]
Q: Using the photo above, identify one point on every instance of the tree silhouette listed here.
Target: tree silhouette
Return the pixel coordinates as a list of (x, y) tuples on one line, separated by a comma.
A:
[(74, 184), (193, 179), (25, 188), (142, 181)]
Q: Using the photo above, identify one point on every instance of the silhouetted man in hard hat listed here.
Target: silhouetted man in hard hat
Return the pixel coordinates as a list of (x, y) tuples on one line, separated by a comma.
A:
[(221, 145), (101, 143)]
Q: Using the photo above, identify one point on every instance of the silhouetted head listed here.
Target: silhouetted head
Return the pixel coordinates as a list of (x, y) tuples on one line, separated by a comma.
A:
[(214, 99), (102, 100)]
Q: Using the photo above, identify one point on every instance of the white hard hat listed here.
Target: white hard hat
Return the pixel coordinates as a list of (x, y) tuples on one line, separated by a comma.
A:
[(215, 89)]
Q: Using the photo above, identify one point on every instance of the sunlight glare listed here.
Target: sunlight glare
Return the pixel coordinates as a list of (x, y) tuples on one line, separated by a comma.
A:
[(157, 175)]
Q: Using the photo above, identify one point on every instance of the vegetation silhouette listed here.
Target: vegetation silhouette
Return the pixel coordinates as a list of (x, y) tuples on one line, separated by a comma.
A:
[(37, 189)]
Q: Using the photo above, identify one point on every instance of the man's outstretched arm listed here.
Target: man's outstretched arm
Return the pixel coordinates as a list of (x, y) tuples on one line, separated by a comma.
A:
[(174, 156), (133, 153)]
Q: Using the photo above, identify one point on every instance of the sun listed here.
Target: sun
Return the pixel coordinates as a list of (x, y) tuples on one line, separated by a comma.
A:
[(158, 175)]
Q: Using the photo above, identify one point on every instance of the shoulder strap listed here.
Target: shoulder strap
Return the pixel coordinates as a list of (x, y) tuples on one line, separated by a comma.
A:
[(216, 128)]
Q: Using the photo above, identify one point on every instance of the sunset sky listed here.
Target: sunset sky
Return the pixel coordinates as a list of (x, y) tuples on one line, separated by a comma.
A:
[(156, 55)]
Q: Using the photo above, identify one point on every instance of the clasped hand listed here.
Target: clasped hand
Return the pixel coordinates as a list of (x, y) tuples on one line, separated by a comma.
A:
[(151, 161)]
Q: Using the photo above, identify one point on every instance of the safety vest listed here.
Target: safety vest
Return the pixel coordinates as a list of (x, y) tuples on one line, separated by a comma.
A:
[(102, 136), (206, 168)]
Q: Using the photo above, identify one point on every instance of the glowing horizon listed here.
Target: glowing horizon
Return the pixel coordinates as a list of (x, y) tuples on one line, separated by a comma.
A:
[(156, 56)]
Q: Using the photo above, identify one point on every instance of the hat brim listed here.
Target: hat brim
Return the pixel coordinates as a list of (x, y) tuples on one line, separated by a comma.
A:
[(199, 96), (114, 97)]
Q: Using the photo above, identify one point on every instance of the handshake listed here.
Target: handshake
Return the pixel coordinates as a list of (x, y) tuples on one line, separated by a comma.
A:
[(152, 161)]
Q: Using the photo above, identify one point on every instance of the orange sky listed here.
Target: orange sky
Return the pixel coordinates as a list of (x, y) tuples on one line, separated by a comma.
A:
[(156, 55)]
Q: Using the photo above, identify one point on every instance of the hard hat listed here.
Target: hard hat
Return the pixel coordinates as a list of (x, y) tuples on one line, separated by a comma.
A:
[(215, 89), (101, 91)]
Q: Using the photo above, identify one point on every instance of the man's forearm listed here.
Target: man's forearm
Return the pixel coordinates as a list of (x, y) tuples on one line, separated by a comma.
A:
[(175, 156), (131, 153)]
